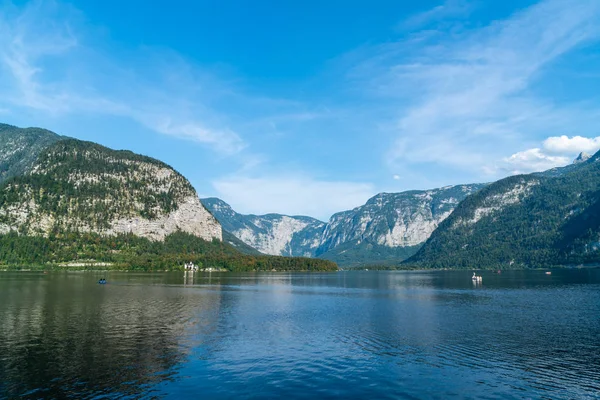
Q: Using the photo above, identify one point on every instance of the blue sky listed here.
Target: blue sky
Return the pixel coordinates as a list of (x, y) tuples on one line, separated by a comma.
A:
[(311, 107)]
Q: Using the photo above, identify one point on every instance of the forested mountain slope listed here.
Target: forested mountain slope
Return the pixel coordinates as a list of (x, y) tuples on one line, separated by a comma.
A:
[(20, 147), (81, 186), (523, 221)]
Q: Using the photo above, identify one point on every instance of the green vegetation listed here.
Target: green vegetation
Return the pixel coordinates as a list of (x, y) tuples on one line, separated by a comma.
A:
[(384, 267), (55, 189), (364, 253), (555, 222), (135, 253), (82, 183), (20, 147)]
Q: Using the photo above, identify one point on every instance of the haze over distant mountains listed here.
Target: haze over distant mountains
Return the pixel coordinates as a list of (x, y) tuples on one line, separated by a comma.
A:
[(273, 234), (388, 228)]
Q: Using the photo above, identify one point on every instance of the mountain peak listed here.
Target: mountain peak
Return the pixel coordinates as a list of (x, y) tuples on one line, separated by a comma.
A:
[(273, 234), (582, 157)]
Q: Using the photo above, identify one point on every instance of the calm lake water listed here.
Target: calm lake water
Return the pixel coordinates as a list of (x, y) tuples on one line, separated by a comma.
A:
[(270, 335)]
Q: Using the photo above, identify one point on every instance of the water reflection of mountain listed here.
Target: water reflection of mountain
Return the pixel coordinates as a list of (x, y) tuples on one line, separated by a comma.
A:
[(63, 335), (346, 335)]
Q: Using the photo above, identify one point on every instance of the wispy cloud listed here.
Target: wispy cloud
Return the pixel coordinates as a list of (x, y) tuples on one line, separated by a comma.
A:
[(224, 140), (294, 194), (49, 67), (26, 39), (463, 99), (445, 103), (449, 9), (51, 64)]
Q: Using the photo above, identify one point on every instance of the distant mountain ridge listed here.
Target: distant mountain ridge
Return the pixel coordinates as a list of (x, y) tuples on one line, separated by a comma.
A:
[(543, 218), (388, 228), (273, 234), (53, 186), (582, 157)]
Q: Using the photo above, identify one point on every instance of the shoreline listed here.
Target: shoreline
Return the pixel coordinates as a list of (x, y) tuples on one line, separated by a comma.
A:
[(81, 268)]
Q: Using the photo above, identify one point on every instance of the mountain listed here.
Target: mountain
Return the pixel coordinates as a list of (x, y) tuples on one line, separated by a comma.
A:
[(582, 157), (20, 147), (66, 203), (80, 186), (237, 244), (273, 234), (523, 221), (390, 227), (558, 171)]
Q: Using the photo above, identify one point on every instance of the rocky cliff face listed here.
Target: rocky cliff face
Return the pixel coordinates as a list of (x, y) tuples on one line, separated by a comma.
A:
[(395, 219), (84, 187), (582, 157), (497, 201), (272, 234), (390, 226)]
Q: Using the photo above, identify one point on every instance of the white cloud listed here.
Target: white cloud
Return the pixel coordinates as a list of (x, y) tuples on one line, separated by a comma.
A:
[(576, 144), (396, 177), (293, 195), (556, 151), (533, 160)]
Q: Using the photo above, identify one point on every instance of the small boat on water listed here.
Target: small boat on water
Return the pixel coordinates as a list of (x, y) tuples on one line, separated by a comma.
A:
[(548, 273), (476, 278), (102, 281)]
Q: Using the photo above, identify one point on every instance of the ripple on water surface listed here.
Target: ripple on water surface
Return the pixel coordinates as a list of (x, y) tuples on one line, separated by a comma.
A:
[(352, 335)]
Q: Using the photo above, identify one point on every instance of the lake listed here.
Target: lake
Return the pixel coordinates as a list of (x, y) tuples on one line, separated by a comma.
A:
[(352, 334)]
